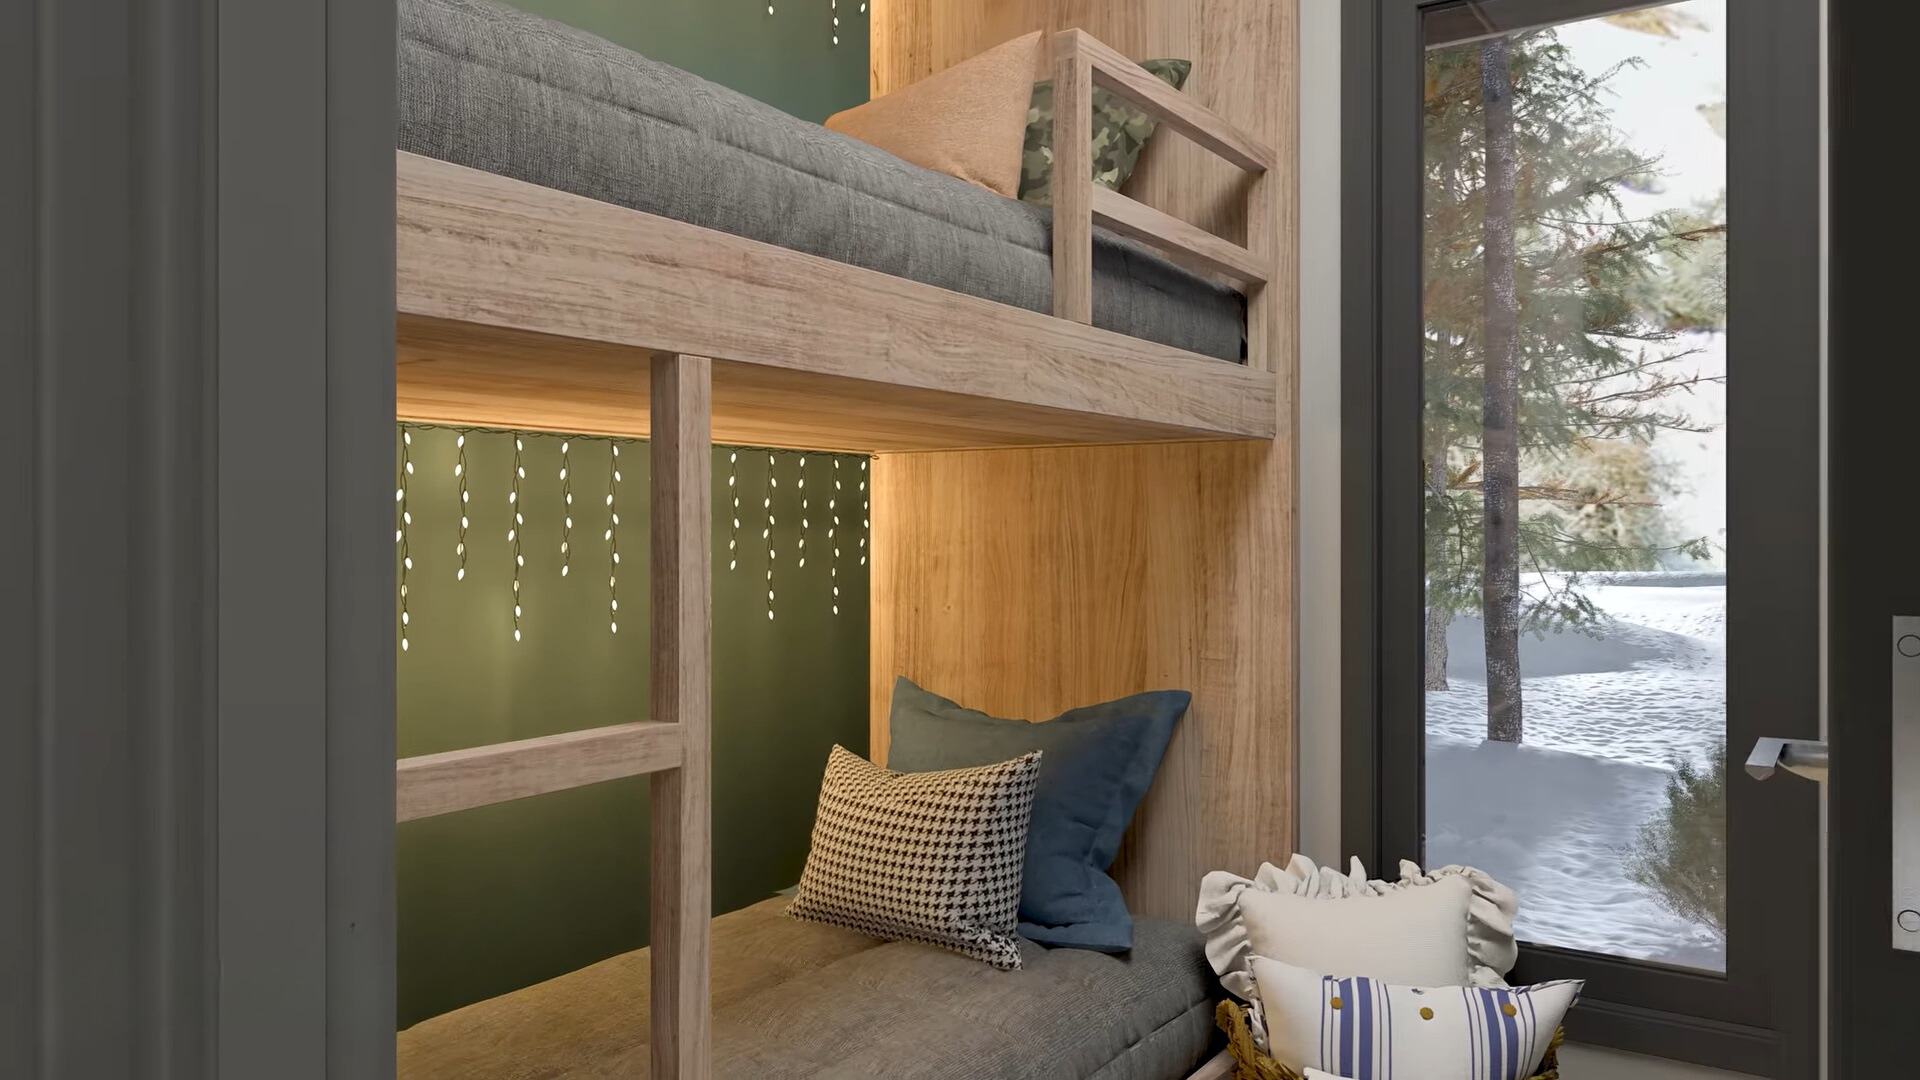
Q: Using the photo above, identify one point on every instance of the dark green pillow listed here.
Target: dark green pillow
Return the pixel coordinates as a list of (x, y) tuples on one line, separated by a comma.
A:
[(1119, 132), (1096, 765)]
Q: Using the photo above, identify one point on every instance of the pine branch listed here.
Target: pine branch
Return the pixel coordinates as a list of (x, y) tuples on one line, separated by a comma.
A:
[(1577, 496)]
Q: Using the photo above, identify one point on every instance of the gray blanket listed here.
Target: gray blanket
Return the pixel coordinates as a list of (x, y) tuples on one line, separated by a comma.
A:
[(794, 999), (496, 89)]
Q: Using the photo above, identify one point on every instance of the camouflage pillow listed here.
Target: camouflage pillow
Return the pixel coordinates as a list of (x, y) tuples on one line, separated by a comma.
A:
[(1120, 131)]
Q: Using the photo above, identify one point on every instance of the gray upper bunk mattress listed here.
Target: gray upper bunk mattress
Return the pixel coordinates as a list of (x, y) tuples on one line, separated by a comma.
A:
[(794, 999), (500, 90)]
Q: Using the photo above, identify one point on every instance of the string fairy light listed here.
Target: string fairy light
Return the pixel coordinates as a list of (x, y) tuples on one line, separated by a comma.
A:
[(733, 488), (400, 531), (833, 527), (833, 10), (613, 541), (460, 475), (767, 533), (514, 530), (806, 486), (566, 510)]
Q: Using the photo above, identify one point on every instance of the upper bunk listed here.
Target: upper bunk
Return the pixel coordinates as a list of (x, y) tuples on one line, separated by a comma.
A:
[(521, 305)]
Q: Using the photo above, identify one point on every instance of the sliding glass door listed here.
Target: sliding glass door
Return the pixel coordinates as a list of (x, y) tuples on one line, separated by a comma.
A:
[(1586, 389)]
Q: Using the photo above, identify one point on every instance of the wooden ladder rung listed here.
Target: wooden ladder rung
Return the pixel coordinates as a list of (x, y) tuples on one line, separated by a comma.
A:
[(442, 783)]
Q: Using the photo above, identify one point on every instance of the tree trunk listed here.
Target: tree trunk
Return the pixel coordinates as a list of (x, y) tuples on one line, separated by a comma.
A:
[(1438, 618), (1500, 484)]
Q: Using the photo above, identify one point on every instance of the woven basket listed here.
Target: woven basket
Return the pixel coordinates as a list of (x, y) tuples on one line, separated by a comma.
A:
[(1250, 1064)]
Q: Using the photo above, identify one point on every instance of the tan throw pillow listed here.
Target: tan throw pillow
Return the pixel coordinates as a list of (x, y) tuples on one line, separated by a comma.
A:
[(968, 121)]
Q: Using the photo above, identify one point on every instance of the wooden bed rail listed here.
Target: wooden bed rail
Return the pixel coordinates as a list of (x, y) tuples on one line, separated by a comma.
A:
[(434, 784), (1081, 63)]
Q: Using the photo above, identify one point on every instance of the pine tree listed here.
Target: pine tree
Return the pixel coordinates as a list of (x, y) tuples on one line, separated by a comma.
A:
[(1500, 395), (1682, 855), (1550, 345)]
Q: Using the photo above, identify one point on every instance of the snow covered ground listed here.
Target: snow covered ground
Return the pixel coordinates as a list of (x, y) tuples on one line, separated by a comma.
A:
[(1556, 817)]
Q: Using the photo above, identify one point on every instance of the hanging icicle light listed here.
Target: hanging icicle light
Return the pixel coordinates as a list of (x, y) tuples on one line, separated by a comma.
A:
[(400, 531), (613, 542), (767, 533), (460, 475), (833, 527), (733, 489), (803, 510), (566, 509), (514, 530), (833, 12), (866, 524)]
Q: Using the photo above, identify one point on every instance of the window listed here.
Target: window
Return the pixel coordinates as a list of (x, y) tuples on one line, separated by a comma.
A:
[(1581, 491)]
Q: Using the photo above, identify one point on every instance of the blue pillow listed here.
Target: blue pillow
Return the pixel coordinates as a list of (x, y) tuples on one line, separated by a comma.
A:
[(1096, 766)]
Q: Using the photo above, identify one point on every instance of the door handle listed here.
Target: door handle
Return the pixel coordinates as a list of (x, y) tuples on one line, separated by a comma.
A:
[(1805, 757)]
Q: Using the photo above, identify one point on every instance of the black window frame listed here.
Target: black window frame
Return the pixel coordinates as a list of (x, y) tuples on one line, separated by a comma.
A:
[(1763, 1017)]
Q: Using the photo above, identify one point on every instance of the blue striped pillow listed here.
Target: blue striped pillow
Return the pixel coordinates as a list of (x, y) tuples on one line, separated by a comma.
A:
[(1364, 1029)]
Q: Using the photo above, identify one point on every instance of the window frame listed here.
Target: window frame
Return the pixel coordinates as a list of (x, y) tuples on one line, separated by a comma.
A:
[(1762, 1016)]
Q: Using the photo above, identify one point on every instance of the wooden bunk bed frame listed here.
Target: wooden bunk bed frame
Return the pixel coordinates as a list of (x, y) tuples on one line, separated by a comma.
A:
[(1122, 520)]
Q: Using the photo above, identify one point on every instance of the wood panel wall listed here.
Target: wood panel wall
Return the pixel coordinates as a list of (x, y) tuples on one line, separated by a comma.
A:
[(1026, 582)]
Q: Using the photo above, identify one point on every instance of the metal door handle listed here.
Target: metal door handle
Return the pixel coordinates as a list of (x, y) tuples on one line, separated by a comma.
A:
[(1805, 757)]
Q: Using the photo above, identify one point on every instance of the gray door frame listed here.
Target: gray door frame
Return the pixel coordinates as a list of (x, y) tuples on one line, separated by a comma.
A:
[(196, 674), (1872, 388)]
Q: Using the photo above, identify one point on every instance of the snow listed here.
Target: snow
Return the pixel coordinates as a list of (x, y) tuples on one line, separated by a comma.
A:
[(1557, 817)]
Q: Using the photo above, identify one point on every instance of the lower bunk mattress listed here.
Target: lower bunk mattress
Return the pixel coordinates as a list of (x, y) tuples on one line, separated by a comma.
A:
[(794, 999), (499, 90)]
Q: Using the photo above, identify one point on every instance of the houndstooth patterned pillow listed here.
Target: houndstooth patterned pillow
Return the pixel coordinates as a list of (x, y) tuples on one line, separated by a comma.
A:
[(932, 857)]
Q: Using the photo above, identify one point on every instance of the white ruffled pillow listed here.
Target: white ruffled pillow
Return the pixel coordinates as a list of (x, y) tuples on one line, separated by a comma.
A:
[(1230, 903)]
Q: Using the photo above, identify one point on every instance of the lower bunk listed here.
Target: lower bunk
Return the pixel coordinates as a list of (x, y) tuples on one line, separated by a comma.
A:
[(801, 999)]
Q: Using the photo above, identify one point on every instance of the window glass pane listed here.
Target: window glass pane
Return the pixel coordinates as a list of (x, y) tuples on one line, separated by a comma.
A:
[(1574, 462)]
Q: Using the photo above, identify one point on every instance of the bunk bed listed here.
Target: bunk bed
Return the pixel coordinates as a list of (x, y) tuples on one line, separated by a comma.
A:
[(1120, 520)]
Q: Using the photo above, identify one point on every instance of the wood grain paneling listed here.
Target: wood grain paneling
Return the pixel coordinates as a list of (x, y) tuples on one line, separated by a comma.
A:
[(443, 783), (681, 883), (462, 374), (494, 273), (1028, 582)]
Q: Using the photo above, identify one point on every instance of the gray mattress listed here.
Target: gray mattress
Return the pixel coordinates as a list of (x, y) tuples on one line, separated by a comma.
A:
[(496, 89), (793, 999)]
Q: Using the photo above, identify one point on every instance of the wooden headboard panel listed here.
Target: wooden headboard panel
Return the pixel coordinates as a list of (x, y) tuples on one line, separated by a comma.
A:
[(1243, 68)]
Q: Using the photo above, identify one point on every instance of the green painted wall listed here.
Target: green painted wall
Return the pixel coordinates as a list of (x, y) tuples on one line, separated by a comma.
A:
[(786, 58), (503, 896)]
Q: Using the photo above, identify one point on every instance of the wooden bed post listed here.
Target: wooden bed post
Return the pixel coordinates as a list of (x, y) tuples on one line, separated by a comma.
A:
[(681, 881), (1072, 181)]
